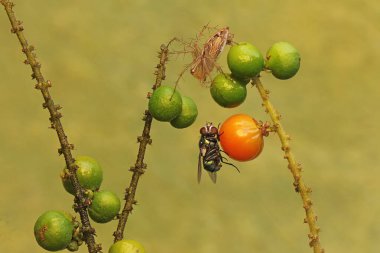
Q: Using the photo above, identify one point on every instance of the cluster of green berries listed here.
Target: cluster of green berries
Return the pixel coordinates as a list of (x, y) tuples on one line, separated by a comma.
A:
[(246, 62), (105, 205), (57, 230), (167, 104)]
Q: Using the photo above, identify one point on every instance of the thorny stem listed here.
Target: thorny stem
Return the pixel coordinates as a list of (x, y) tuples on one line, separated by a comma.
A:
[(294, 167), (43, 85), (139, 168)]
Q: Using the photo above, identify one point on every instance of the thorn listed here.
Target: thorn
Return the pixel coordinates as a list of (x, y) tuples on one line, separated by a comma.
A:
[(33, 76), (305, 220), (296, 186), (278, 116), (88, 230), (38, 86), (55, 116), (134, 202), (149, 95), (66, 147), (73, 167), (150, 141), (37, 64), (313, 240), (26, 62), (98, 247), (58, 107), (285, 148), (140, 139)]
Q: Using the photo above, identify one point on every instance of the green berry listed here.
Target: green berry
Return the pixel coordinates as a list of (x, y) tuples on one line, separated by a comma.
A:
[(227, 91), (165, 104), (53, 230), (245, 61), (126, 246), (188, 114), (73, 246), (89, 173), (283, 60), (104, 206)]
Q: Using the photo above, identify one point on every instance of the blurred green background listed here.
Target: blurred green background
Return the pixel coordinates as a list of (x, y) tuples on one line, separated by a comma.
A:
[(100, 56)]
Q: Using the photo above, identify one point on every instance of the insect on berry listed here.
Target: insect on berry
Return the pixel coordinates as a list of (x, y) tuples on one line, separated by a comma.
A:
[(210, 157)]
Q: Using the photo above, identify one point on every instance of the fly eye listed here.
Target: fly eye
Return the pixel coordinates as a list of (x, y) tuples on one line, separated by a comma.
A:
[(214, 130), (203, 131)]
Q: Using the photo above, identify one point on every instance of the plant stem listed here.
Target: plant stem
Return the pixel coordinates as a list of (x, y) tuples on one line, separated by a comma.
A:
[(294, 167), (81, 203), (139, 168)]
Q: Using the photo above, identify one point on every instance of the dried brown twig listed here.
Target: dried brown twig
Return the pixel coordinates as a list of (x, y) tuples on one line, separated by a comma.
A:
[(81, 203), (139, 168), (294, 167)]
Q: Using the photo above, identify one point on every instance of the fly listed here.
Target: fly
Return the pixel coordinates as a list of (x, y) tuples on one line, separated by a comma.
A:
[(210, 157)]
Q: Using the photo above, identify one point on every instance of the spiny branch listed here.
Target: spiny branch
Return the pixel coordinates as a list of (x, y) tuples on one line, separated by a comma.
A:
[(139, 168), (294, 167), (65, 149)]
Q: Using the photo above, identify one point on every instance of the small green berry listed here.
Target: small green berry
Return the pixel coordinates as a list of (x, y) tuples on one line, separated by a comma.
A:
[(188, 114), (126, 246), (227, 91), (283, 60), (89, 173), (104, 207), (245, 61), (53, 230), (73, 246), (165, 104)]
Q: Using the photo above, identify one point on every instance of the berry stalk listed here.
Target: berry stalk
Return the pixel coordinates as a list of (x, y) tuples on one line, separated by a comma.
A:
[(139, 168), (43, 85), (294, 167)]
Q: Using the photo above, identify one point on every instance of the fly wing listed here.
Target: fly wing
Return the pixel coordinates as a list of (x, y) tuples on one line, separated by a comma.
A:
[(199, 167), (212, 176)]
